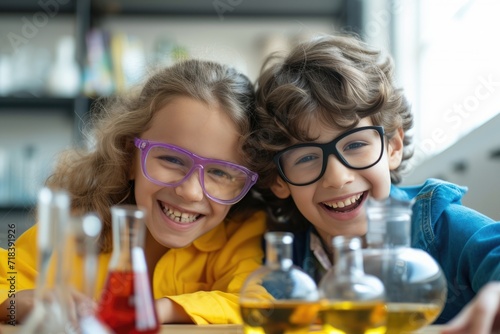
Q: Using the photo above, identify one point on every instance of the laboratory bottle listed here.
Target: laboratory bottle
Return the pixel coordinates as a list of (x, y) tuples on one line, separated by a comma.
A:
[(352, 301), (278, 297), (416, 287)]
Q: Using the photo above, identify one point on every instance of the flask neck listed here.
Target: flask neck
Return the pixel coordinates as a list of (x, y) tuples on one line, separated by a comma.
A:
[(279, 250), (389, 223), (128, 236), (348, 256), (53, 217)]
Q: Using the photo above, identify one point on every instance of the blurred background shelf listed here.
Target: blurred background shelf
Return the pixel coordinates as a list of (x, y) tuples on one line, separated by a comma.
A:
[(241, 8), (30, 6), (37, 122)]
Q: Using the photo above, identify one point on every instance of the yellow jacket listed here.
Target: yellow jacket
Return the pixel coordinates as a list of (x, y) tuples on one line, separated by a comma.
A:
[(204, 277)]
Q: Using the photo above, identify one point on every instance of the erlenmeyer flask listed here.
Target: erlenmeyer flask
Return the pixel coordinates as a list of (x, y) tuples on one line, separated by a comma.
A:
[(51, 311), (127, 304), (352, 301), (278, 298), (416, 287)]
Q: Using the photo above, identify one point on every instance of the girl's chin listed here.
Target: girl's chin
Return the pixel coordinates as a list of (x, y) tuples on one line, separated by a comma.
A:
[(173, 240)]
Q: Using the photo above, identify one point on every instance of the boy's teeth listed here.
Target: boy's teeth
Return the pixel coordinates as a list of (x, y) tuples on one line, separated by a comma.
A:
[(180, 217), (344, 203)]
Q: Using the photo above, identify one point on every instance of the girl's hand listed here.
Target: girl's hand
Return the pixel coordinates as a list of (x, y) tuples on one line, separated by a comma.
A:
[(14, 310), (169, 312), (17, 309), (481, 315)]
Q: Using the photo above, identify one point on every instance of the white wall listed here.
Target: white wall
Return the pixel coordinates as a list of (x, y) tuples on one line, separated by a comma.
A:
[(240, 42), (481, 173)]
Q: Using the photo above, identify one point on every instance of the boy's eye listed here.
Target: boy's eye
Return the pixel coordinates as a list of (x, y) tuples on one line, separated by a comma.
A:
[(353, 146), (307, 158)]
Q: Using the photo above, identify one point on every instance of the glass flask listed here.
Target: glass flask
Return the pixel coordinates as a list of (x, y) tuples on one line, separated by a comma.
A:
[(352, 301), (416, 287), (278, 298), (126, 303), (85, 231), (51, 311)]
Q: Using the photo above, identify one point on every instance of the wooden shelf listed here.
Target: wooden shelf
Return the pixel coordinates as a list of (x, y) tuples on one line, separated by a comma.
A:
[(241, 8), (33, 6), (36, 102)]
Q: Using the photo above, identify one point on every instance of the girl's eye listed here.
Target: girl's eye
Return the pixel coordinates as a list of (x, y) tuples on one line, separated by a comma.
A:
[(220, 174), (171, 160)]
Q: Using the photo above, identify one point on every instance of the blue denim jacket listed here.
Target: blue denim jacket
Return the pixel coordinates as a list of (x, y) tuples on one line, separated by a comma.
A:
[(464, 242)]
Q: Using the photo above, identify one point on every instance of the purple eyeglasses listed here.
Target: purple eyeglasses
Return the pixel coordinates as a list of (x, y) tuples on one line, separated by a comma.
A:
[(168, 165)]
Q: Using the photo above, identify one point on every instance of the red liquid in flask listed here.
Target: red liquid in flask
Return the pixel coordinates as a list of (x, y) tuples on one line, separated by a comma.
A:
[(126, 306)]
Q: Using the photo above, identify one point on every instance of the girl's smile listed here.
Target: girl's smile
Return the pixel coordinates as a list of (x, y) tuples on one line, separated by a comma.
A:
[(182, 213), (178, 216)]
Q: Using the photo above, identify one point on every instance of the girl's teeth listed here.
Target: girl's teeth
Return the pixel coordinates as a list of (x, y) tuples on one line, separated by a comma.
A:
[(180, 217)]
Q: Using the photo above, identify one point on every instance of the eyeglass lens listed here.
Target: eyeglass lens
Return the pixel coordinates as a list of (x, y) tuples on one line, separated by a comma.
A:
[(359, 149), (221, 181)]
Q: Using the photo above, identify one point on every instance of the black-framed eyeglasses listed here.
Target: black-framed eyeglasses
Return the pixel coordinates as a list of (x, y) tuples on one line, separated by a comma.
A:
[(305, 163)]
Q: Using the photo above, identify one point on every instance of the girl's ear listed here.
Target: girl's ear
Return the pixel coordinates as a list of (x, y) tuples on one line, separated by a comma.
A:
[(280, 188), (395, 149)]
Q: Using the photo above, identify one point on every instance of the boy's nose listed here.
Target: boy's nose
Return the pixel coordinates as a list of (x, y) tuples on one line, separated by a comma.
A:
[(191, 189), (336, 174)]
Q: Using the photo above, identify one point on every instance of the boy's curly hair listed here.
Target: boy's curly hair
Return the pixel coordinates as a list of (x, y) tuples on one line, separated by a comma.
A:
[(336, 79)]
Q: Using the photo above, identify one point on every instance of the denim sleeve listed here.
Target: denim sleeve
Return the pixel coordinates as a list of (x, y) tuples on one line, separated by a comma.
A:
[(467, 246)]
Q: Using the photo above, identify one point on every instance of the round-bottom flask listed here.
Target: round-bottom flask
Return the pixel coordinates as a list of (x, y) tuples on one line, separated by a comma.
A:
[(278, 298), (415, 283), (352, 301)]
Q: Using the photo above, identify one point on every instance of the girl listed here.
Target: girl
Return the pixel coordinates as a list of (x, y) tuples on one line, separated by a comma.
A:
[(333, 132), (200, 245)]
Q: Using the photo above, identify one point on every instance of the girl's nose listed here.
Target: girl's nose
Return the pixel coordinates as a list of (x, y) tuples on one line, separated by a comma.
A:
[(191, 189), (336, 174)]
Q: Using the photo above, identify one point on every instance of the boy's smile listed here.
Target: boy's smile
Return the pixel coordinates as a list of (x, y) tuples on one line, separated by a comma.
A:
[(346, 205), (335, 203)]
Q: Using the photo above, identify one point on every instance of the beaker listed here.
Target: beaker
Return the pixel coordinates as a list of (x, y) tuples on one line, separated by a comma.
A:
[(126, 303), (416, 286), (278, 298), (353, 302)]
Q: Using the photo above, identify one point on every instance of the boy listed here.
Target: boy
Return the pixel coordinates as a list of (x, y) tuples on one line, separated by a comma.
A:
[(333, 132)]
